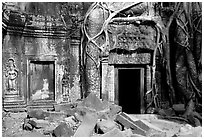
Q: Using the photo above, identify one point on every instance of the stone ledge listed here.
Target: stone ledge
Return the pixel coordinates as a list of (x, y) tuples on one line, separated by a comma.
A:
[(15, 106)]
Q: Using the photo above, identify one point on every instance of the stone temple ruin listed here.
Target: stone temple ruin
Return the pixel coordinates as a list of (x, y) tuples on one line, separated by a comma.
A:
[(105, 60)]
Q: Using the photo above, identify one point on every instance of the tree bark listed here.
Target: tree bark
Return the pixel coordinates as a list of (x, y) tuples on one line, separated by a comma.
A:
[(186, 68)]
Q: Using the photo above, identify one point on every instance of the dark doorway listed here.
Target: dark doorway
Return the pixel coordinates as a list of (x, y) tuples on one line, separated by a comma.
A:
[(129, 85)]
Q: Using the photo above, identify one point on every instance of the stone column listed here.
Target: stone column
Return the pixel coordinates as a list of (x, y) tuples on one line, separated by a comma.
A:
[(74, 83), (104, 65), (108, 89), (148, 83)]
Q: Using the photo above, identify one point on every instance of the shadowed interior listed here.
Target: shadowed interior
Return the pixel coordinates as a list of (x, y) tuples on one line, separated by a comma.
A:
[(129, 90)]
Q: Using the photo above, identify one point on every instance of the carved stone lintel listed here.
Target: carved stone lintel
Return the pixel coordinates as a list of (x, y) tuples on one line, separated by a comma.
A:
[(144, 58)]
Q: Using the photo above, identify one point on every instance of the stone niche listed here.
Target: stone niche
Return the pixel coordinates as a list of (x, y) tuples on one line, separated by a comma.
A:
[(11, 78), (126, 70), (41, 80)]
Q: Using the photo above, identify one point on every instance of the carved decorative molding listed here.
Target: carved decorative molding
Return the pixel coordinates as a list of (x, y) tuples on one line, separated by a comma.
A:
[(143, 58), (132, 37), (131, 43), (29, 25)]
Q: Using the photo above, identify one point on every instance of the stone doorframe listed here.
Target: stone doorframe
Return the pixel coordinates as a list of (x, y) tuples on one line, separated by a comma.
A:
[(49, 58), (109, 81), (116, 98)]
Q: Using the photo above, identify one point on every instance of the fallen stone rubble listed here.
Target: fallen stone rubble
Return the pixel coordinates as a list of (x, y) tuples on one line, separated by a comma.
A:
[(95, 118)]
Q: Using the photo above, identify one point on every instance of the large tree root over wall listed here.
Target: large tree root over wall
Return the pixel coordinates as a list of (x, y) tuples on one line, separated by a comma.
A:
[(179, 43), (185, 62), (95, 35)]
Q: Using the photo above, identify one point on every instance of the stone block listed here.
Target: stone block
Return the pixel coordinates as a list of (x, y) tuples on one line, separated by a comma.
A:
[(56, 116), (149, 128), (33, 123), (179, 107), (31, 134), (39, 114), (70, 112), (18, 115), (155, 133), (106, 103), (40, 123), (27, 125), (93, 102), (87, 126), (127, 132), (142, 125), (189, 131), (105, 125), (110, 111), (147, 117), (136, 127), (166, 112), (64, 107), (63, 130), (114, 109), (104, 115), (115, 132), (79, 115), (70, 121), (50, 128)]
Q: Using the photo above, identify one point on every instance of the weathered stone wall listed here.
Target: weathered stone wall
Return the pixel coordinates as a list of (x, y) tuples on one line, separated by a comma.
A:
[(64, 52), (131, 45), (12, 50), (42, 32), (65, 56)]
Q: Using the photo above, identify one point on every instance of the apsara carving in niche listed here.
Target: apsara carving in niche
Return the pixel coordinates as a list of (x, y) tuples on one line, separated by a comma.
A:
[(11, 76)]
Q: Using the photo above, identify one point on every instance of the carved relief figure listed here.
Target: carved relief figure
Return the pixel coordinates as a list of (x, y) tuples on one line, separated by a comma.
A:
[(65, 84), (11, 75), (43, 93), (45, 89), (45, 85)]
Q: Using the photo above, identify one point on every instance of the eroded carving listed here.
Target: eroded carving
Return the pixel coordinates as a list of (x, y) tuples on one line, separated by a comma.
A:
[(131, 37), (43, 93), (65, 84), (11, 76)]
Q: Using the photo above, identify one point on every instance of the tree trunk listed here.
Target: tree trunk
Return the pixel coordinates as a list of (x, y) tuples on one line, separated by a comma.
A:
[(92, 70), (185, 54)]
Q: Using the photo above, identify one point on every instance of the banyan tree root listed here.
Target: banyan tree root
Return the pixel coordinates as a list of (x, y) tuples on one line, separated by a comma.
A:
[(186, 81), (90, 35), (191, 115), (186, 63), (194, 119)]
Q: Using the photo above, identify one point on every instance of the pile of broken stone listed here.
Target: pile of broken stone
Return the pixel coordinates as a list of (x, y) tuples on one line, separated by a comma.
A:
[(95, 118)]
